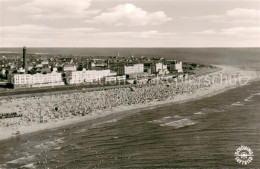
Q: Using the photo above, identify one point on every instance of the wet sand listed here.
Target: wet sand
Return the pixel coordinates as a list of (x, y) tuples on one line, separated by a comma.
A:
[(49, 112)]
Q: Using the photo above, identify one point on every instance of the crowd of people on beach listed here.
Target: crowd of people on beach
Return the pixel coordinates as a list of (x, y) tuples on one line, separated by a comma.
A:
[(9, 115), (42, 109)]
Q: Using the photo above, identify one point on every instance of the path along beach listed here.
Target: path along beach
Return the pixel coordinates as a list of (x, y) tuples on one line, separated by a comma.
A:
[(48, 112)]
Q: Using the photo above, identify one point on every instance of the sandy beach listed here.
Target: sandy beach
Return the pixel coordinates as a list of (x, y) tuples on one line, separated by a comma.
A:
[(53, 111)]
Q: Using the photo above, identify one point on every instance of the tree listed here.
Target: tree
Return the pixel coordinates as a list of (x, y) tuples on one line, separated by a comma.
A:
[(80, 67), (60, 69)]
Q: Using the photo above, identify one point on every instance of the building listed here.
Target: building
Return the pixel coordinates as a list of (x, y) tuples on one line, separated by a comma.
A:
[(156, 68), (36, 80), (89, 76), (45, 62), (134, 69), (21, 70), (176, 66), (30, 67), (69, 68), (110, 79), (39, 66), (90, 65), (115, 78), (121, 78), (161, 68)]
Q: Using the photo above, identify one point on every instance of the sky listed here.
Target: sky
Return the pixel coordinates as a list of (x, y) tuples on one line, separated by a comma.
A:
[(130, 23)]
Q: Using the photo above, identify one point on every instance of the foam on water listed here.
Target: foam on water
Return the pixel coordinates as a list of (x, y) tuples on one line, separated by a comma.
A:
[(167, 117), (3, 165), (105, 122), (75, 146), (198, 113), (7, 155), (248, 99), (214, 110), (237, 104), (49, 144), (59, 140), (57, 148), (150, 108), (31, 165), (41, 146), (21, 160), (161, 120), (81, 131), (177, 116), (179, 123)]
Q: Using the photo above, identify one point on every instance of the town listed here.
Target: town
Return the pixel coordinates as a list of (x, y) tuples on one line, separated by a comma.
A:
[(31, 71)]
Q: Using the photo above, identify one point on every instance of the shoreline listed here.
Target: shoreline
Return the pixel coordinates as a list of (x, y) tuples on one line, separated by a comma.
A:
[(8, 132)]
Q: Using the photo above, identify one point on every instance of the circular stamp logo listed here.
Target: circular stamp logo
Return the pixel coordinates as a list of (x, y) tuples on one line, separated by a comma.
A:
[(244, 155)]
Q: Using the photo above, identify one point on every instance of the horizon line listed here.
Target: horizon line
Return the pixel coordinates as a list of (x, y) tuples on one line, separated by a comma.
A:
[(136, 47)]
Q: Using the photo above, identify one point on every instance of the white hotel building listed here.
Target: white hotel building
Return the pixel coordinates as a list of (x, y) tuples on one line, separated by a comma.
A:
[(136, 68), (75, 77), (35, 80)]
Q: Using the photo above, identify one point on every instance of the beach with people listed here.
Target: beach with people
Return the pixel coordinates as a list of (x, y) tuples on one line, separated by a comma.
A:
[(36, 113)]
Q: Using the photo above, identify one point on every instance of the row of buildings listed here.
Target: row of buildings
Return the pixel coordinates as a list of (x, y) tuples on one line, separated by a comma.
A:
[(97, 72), (55, 78)]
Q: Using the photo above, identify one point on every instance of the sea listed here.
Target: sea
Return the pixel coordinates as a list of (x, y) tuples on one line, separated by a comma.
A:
[(203, 133)]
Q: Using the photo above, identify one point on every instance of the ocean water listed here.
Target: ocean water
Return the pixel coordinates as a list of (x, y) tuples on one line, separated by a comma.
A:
[(202, 133)]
